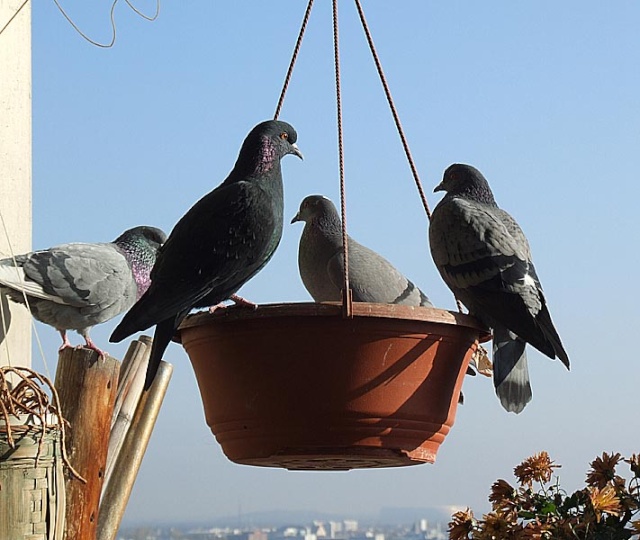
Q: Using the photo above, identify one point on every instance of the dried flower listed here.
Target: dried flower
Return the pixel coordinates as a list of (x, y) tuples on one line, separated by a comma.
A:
[(605, 508), (604, 500), (535, 530), (503, 496), (538, 468), (603, 470), (495, 527), (461, 525), (634, 462)]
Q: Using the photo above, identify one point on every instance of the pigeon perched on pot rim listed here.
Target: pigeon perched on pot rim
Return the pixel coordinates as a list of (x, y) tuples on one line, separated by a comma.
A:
[(321, 262), (220, 243), (485, 259), (76, 286)]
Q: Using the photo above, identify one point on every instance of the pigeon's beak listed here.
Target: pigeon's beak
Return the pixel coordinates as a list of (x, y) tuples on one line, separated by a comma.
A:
[(296, 218), (296, 151), (439, 187)]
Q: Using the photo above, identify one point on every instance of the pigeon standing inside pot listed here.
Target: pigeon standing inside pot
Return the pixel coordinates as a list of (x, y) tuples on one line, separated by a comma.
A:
[(321, 262)]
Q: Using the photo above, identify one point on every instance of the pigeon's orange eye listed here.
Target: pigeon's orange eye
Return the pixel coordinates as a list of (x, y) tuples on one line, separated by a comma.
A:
[(284, 135)]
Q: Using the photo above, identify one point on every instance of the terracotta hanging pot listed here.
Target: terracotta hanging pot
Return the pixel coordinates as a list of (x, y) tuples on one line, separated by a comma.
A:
[(302, 387)]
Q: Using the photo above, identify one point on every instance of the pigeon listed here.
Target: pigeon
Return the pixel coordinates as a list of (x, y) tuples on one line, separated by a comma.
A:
[(76, 286), (224, 240), (485, 259), (321, 262)]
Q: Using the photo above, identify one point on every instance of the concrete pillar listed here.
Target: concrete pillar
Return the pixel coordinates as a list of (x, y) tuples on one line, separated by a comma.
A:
[(15, 166)]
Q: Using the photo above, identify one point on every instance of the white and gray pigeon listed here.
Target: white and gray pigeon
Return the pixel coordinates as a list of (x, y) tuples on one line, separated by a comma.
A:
[(372, 278), (76, 286), (222, 241), (485, 259)]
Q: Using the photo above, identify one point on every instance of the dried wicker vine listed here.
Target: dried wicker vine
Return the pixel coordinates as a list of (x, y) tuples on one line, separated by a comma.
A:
[(28, 396)]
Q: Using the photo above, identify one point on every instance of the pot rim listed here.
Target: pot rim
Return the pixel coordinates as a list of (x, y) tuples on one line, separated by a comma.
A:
[(335, 309)]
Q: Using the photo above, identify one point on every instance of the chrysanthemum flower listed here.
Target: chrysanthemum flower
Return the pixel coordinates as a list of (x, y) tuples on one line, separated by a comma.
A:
[(604, 501), (603, 470), (538, 468), (462, 525)]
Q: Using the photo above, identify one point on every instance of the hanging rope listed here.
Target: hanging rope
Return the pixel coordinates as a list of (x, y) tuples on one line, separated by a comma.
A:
[(347, 293), (396, 118), (394, 112), (347, 303), (294, 57)]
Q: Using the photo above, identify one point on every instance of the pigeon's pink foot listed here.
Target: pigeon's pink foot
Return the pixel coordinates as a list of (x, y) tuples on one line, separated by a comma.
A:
[(65, 342), (217, 307), (239, 301), (91, 345)]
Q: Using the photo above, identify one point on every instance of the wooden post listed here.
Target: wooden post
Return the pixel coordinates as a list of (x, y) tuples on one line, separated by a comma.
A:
[(87, 388), (15, 168), (118, 490)]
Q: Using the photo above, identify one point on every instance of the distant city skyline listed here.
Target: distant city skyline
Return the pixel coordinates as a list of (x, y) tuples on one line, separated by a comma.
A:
[(304, 528)]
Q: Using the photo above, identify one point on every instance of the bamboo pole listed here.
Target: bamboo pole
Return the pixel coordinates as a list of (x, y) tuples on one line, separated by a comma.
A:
[(86, 385), (118, 490), (130, 388), (138, 350)]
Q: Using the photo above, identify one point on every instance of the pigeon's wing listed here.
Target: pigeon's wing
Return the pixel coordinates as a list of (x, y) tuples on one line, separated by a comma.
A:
[(489, 268), (470, 244), (12, 277), (211, 252), (514, 230), (77, 275), (373, 278)]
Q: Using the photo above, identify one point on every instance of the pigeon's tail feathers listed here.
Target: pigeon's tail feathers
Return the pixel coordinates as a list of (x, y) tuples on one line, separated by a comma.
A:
[(550, 333), (161, 339), (424, 300), (411, 295), (137, 319), (124, 330), (13, 278), (510, 370)]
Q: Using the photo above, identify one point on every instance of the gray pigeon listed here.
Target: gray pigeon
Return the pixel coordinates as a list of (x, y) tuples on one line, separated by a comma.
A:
[(485, 259), (76, 286), (321, 262), (220, 243)]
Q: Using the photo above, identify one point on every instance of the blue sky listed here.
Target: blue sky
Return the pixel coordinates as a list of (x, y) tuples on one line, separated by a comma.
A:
[(543, 97)]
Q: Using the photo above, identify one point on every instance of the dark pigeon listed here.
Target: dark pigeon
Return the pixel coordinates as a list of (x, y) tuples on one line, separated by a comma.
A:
[(76, 286), (220, 243), (321, 262), (485, 259)]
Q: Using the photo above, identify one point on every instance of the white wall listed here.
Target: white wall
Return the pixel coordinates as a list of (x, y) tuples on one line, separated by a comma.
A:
[(15, 162)]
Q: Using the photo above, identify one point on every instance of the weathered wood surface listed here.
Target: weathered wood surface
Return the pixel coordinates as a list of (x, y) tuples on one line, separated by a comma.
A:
[(87, 386)]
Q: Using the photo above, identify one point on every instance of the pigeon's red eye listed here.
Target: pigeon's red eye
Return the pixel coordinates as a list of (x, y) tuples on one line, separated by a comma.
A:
[(284, 135)]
